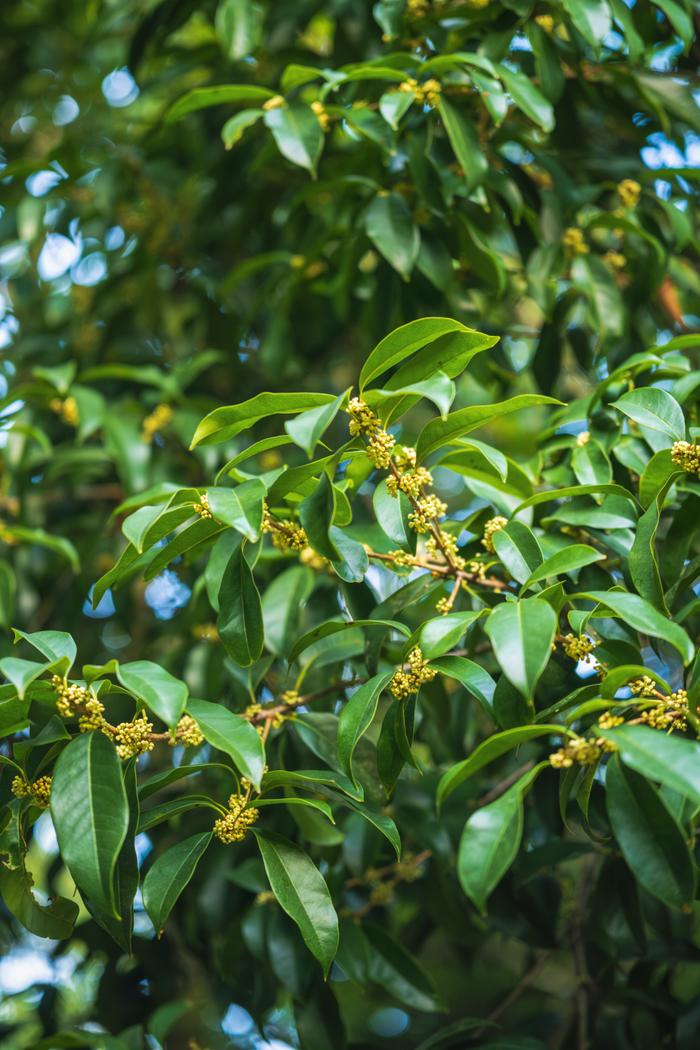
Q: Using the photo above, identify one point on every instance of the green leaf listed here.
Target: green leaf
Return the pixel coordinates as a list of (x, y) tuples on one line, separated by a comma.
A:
[(224, 423), (20, 672), (302, 892), (441, 432), (55, 920), (164, 694), (518, 549), (649, 836), (241, 507), (659, 472), (643, 564), (201, 98), (54, 645), (310, 780), (591, 465), (169, 875), (394, 968), (238, 26), (440, 634), (420, 335), (488, 751), (233, 735), (40, 538), (392, 513), (393, 105), (569, 559), (591, 18), (391, 229), (672, 760), (316, 514), (240, 621), (655, 409), (90, 812), (643, 617), (282, 604), (521, 634), (474, 678), (465, 143), (490, 841), (298, 134), (356, 718), (527, 97), (308, 427), (329, 627), (235, 126)]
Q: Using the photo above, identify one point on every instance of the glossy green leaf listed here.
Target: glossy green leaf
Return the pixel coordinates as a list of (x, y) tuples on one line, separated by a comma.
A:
[(655, 409), (224, 423), (440, 432), (240, 621), (169, 874), (642, 616), (569, 559), (307, 429), (649, 836), (302, 892), (240, 507), (521, 634), (464, 141), (390, 228), (488, 751), (160, 691), (673, 761), (90, 812), (490, 842), (297, 132), (202, 98), (233, 735), (357, 716), (518, 549)]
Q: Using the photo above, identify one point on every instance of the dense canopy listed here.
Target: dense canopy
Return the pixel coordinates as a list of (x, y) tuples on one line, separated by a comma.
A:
[(349, 551)]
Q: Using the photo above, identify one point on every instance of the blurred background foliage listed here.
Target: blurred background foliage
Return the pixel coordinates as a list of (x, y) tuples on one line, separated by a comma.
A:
[(147, 274)]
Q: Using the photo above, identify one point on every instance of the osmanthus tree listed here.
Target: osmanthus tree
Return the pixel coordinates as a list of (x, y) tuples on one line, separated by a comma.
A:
[(434, 775)]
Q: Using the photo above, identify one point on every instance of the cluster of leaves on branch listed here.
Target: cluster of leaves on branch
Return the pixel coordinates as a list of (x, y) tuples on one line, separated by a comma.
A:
[(342, 630), (416, 642)]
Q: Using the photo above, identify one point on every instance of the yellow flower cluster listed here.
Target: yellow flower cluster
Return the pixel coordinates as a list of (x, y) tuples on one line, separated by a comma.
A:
[(276, 102), (232, 827), (156, 421), (202, 508), (545, 22), (362, 419), (427, 93), (417, 8), (205, 632), (405, 683), (583, 438), (686, 456), (314, 560), (629, 192), (582, 751), (669, 713), (608, 721), (67, 409), (7, 536), (491, 527), (93, 717), (71, 697), (38, 790), (188, 733), (578, 648), (447, 546), (644, 686), (409, 478), (574, 240), (285, 535), (134, 738), (617, 260), (322, 116), (426, 509)]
